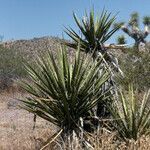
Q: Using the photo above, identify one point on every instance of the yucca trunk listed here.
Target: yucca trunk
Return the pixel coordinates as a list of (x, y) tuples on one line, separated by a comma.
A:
[(102, 109)]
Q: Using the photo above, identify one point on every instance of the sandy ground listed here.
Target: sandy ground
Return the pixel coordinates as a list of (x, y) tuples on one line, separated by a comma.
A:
[(16, 126)]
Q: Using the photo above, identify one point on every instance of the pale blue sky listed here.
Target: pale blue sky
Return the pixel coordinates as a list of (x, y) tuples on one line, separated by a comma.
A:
[(25, 19)]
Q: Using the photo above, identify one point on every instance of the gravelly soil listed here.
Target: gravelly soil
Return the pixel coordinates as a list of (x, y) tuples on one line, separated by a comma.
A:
[(16, 126)]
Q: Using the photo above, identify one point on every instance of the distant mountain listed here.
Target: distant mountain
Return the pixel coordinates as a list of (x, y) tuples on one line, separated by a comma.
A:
[(34, 45)]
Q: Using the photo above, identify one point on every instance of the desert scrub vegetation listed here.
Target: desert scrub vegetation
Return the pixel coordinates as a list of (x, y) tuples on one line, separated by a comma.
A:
[(136, 68), (11, 66)]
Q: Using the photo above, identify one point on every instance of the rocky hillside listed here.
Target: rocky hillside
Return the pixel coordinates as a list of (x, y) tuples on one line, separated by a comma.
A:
[(34, 45), (14, 53)]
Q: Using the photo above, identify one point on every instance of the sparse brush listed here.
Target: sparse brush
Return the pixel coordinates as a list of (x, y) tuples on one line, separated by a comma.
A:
[(131, 117), (11, 66), (136, 68)]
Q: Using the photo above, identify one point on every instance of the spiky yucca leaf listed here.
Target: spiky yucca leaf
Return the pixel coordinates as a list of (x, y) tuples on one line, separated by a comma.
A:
[(62, 92), (132, 117), (94, 31)]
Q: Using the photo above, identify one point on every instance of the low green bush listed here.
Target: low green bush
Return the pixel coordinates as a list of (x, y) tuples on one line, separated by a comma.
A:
[(11, 66), (136, 68)]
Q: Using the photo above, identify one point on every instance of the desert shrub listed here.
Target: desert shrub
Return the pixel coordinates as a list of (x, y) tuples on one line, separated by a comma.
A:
[(131, 115), (11, 66), (136, 68), (11, 62)]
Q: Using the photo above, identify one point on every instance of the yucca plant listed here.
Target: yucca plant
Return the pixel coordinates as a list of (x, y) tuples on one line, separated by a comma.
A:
[(95, 31), (61, 92), (121, 39), (131, 116)]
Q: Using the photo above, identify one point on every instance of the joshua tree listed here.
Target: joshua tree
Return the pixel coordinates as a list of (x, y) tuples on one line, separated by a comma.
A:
[(133, 29)]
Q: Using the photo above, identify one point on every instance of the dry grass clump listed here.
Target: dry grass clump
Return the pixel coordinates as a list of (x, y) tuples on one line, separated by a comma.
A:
[(141, 144), (102, 140), (109, 141)]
